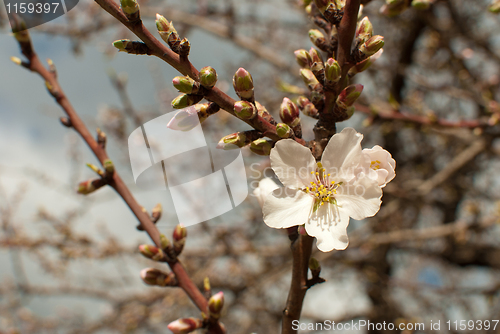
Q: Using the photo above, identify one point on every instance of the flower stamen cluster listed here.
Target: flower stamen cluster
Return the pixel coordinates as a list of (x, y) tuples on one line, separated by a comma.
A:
[(322, 189)]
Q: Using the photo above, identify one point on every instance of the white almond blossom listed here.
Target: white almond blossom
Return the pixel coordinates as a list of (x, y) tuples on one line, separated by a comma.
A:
[(381, 165), (323, 195)]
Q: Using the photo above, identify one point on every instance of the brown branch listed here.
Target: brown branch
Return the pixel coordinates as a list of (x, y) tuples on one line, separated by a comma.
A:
[(325, 128), (185, 67), (346, 31), (392, 114), (224, 31), (301, 252), (116, 182), (453, 166), (428, 233)]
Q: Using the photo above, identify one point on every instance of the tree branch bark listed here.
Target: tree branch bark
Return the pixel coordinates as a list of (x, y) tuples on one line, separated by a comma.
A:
[(301, 252)]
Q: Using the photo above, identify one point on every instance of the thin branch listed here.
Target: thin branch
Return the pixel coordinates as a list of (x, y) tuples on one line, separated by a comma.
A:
[(224, 31), (458, 162), (392, 114), (422, 234), (346, 31), (301, 252), (115, 182), (185, 67)]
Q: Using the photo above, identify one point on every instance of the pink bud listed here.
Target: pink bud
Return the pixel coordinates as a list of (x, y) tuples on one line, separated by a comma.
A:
[(289, 112), (185, 325), (243, 83), (215, 305)]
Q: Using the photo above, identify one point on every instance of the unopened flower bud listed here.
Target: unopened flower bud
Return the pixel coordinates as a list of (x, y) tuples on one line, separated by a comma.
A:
[(109, 166), (232, 141), (185, 100), (122, 44), (364, 30), (284, 130), (150, 275), (243, 84), (185, 325), (317, 38), (151, 252), (130, 8), (315, 56), (311, 111), (153, 276), (208, 77), (185, 84), (86, 187), (245, 110), (349, 95), (215, 305), (394, 7), (309, 79), (421, 4), (261, 147), (165, 243), (156, 213), (303, 58), (262, 111), (372, 45), (365, 64), (179, 235), (307, 107), (333, 72), (164, 27), (289, 112)]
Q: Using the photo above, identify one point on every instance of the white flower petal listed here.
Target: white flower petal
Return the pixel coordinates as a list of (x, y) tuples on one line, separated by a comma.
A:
[(286, 207), (329, 235), (387, 163), (360, 198), (343, 153), (292, 163), (265, 187)]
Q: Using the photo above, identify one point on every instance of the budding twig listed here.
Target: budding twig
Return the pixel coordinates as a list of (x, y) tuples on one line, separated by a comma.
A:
[(115, 181), (185, 67)]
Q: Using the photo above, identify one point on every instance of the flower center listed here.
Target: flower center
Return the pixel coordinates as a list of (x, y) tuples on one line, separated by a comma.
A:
[(323, 188), (375, 165)]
